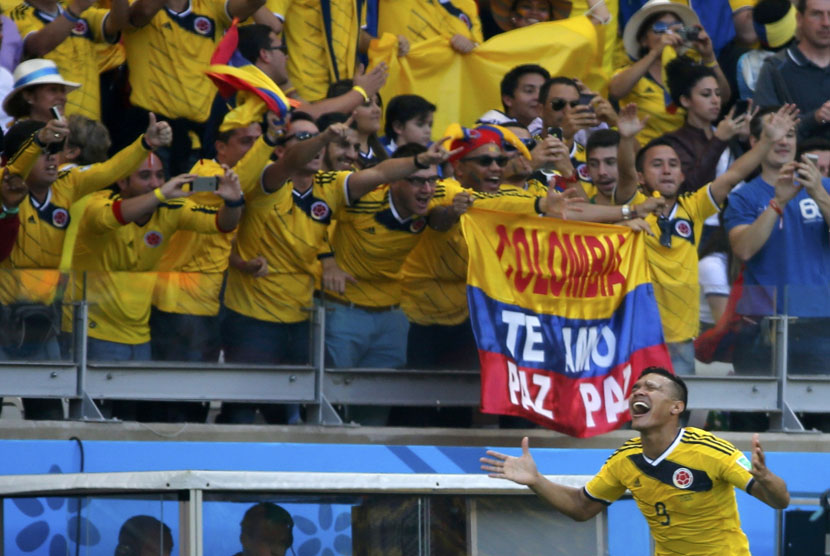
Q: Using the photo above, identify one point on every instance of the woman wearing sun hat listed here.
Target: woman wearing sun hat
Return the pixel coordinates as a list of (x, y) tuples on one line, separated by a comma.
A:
[(651, 38), (38, 86)]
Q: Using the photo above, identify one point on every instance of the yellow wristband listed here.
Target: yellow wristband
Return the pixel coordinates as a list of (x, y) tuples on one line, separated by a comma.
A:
[(159, 195), (711, 64), (362, 91)]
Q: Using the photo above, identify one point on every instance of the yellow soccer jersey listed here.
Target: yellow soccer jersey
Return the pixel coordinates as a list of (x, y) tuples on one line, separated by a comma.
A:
[(119, 259), (653, 100), (434, 285), (43, 225), (674, 269), (202, 259), (419, 20), (371, 242), (168, 56), (76, 56), (289, 229), (321, 36), (686, 495)]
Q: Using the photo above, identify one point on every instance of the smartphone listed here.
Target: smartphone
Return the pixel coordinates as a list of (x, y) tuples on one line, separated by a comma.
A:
[(812, 158), (205, 183), (741, 107), (556, 132), (54, 148), (586, 99)]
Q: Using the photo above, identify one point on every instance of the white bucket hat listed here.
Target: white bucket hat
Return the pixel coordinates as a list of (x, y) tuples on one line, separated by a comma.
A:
[(632, 28), (36, 72)]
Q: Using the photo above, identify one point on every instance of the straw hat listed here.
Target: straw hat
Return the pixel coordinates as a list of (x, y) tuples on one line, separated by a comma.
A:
[(632, 46), (559, 9), (35, 72)]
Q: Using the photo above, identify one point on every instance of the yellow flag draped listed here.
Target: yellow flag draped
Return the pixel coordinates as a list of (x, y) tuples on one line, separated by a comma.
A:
[(465, 86)]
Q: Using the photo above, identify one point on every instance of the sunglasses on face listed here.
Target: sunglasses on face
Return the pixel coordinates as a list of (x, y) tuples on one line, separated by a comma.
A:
[(486, 161), (560, 103), (282, 48), (299, 136), (661, 27), (421, 182), (529, 143)]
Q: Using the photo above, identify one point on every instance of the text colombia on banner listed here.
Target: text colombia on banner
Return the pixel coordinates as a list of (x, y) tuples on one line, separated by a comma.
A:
[(564, 317)]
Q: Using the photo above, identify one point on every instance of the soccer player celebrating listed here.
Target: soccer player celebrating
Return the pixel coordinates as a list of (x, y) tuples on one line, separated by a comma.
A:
[(681, 478)]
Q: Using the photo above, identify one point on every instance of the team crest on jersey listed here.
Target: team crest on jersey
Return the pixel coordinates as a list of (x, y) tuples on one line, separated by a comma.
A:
[(417, 225), (683, 229), (202, 25), (60, 218), (682, 478), (80, 28), (319, 210), (153, 239), (582, 172)]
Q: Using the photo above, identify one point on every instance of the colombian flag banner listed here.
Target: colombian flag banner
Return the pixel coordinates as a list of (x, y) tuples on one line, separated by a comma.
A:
[(564, 316)]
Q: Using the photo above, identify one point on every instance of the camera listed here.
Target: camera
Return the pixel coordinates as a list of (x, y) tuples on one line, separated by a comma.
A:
[(689, 33)]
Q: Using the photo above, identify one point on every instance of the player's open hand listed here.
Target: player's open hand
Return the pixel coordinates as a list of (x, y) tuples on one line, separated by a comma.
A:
[(759, 463), (521, 470), (172, 188)]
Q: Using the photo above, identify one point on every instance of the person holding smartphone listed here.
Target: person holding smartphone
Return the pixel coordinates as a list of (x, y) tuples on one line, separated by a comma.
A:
[(705, 146)]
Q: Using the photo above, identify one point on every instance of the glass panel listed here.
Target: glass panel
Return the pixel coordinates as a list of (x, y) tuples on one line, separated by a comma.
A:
[(808, 348), (100, 525)]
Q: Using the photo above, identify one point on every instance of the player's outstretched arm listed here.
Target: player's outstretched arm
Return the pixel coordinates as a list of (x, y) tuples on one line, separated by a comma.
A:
[(769, 487), (522, 470)]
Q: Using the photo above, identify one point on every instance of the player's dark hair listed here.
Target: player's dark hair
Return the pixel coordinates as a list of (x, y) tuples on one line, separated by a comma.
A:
[(403, 108), (641, 154), (510, 81), (410, 149), (602, 138), (681, 391), (545, 90)]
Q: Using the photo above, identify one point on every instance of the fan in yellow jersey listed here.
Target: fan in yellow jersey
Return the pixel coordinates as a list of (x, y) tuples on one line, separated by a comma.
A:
[(69, 34), (283, 231), (683, 479), (121, 240), (672, 247), (169, 44), (435, 273), (45, 215), (419, 20), (186, 298)]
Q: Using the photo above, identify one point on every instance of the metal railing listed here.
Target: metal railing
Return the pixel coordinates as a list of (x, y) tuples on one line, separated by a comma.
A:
[(320, 388)]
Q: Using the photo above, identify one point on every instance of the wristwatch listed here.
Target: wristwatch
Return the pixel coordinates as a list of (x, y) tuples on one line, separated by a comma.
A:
[(627, 213)]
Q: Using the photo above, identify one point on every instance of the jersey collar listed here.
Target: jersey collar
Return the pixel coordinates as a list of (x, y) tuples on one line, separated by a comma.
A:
[(45, 203), (394, 210), (182, 13), (669, 450)]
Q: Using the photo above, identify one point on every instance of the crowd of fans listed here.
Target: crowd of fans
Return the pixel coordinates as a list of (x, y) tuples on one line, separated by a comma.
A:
[(199, 234)]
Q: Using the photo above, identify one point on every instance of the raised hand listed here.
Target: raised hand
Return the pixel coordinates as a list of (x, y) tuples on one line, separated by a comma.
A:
[(521, 470), (336, 132), (54, 131), (558, 205), (604, 111), (436, 154), (759, 462), (628, 122), (13, 189), (703, 45), (808, 175), (158, 134), (576, 118), (229, 188), (730, 126), (172, 188), (782, 122), (373, 80)]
